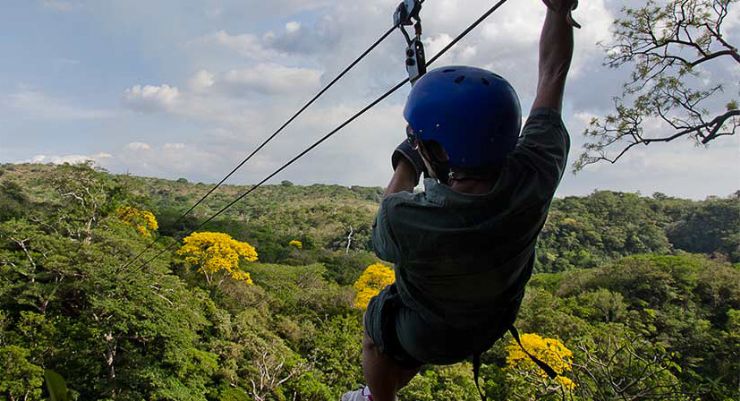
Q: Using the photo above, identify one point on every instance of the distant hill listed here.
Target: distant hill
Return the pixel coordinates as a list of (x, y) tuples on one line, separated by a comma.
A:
[(582, 231), (630, 314)]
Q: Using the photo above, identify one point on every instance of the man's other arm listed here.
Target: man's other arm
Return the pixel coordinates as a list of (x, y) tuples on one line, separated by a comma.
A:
[(404, 178), (556, 52)]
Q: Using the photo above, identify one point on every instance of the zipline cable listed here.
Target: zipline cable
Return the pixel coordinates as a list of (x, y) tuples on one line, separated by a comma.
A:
[(268, 140), (334, 131)]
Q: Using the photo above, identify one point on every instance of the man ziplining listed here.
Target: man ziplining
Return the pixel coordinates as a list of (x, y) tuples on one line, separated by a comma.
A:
[(463, 248)]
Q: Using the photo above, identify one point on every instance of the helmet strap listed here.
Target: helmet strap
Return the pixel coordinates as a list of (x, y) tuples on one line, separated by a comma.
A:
[(441, 168), (441, 171)]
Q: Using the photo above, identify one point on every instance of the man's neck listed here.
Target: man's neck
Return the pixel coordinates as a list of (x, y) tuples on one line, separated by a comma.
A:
[(472, 186)]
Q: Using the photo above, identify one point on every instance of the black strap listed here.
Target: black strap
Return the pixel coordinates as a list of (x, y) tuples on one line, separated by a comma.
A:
[(544, 366), (549, 370), (476, 375)]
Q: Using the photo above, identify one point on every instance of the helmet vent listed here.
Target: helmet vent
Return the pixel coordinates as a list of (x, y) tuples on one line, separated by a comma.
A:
[(449, 70), (459, 79), (485, 82)]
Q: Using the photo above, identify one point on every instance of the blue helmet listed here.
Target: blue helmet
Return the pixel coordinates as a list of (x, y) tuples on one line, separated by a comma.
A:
[(472, 113)]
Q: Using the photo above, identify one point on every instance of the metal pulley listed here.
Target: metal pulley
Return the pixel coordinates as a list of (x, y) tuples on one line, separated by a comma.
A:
[(407, 14)]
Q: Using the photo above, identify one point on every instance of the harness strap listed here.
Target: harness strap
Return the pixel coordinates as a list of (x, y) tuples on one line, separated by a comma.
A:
[(476, 375), (544, 366)]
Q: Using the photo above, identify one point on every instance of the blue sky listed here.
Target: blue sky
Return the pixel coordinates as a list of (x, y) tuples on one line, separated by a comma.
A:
[(188, 88)]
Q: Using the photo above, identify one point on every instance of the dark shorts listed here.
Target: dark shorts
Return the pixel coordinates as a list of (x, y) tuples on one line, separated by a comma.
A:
[(401, 332)]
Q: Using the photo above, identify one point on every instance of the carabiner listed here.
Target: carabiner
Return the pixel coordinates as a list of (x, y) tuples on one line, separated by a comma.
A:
[(407, 14)]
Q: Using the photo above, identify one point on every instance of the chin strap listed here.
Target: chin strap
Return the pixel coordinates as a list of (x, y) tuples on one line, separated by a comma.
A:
[(441, 169)]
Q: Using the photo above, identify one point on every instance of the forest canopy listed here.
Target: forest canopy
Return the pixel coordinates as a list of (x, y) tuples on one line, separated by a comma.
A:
[(635, 297)]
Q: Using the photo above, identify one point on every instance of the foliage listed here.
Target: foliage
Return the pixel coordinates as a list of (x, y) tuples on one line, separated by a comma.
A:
[(217, 253), (623, 366), (336, 353), (585, 232), (19, 378), (661, 324), (712, 228), (670, 44), (443, 383), (143, 221), (375, 277), (12, 200)]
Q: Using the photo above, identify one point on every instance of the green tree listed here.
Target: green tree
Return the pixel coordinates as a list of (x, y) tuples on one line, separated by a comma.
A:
[(713, 226), (618, 365), (587, 231), (19, 378)]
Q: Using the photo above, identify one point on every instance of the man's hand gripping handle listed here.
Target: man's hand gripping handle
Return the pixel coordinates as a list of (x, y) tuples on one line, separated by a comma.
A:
[(565, 7)]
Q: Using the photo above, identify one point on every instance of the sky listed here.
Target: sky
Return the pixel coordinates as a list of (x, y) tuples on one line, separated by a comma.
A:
[(188, 88)]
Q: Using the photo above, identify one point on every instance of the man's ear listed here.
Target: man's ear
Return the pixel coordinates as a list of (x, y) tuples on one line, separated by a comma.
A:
[(425, 157)]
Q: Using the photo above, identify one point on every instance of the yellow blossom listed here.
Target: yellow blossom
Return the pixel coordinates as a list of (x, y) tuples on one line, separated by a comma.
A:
[(548, 350), (566, 383), (295, 243), (143, 221), (217, 252), (375, 277)]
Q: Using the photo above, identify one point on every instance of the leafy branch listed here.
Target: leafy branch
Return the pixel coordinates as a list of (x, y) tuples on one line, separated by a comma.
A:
[(665, 45)]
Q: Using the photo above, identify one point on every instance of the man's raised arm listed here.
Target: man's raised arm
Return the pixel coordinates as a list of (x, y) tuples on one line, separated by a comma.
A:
[(556, 52)]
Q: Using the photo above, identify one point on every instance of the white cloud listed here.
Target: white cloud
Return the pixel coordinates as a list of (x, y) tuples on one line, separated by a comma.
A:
[(71, 159), (142, 146), (201, 81), (59, 5), (272, 79), (238, 98), (39, 105), (171, 160), (150, 98), (246, 45), (459, 54), (235, 70), (292, 26)]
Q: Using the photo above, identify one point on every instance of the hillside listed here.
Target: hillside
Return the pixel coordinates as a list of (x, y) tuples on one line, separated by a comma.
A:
[(643, 292)]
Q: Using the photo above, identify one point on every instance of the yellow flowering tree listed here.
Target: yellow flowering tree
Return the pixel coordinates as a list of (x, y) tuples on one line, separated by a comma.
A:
[(296, 244), (548, 350), (142, 220), (218, 255), (375, 277)]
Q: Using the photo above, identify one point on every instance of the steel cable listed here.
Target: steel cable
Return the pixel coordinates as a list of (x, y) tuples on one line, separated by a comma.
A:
[(266, 141), (334, 131)]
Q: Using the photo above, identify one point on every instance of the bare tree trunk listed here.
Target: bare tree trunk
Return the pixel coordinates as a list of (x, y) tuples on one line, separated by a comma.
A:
[(349, 239), (110, 355)]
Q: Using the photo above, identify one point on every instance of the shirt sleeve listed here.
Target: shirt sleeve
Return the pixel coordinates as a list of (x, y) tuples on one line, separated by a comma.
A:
[(541, 156), (384, 241)]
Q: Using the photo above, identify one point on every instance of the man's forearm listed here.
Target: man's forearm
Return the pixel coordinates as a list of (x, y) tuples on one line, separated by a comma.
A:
[(556, 52), (404, 178)]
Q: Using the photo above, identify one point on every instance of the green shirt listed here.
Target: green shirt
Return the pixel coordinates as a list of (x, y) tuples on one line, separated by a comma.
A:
[(460, 257)]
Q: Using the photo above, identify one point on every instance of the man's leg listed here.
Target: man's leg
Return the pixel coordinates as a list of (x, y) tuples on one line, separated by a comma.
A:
[(383, 375)]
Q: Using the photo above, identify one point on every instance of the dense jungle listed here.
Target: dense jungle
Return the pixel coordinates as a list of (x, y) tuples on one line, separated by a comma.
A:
[(634, 297)]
